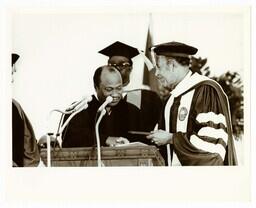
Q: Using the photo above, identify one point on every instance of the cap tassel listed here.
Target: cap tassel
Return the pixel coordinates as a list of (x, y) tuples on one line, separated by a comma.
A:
[(148, 63)]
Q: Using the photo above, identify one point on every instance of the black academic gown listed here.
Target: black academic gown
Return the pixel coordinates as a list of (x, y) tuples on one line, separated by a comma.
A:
[(25, 151), (80, 132), (150, 106)]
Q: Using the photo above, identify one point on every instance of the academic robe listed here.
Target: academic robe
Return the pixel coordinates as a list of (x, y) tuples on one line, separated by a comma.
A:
[(149, 105), (80, 132), (25, 151), (197, 114)]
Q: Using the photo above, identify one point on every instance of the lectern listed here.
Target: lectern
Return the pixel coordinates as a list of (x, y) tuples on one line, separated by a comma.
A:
[(110, 156)]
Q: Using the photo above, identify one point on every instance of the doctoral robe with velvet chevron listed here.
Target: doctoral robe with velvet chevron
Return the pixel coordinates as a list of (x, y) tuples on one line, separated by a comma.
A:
[(199, 119)]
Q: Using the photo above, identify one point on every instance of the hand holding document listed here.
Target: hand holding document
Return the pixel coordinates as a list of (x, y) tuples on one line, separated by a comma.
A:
[(160, 137)]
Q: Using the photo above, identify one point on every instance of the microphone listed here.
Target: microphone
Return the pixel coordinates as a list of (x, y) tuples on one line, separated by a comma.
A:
[(45, 142), (83, 104), (102, 111), (77, 108), (108, 100), (79, 104), (73, 109)]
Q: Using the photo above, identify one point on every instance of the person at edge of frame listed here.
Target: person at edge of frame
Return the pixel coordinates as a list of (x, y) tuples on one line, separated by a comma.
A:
[(25, 151)]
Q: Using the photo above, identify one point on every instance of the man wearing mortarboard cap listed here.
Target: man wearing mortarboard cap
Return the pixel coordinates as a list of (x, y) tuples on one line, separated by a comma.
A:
[(120, 56), (150, 105), (25, 151), (195, 127)]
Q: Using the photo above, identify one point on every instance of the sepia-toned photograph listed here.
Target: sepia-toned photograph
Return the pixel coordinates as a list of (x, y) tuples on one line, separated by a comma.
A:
[(97, 87), (130, 91)]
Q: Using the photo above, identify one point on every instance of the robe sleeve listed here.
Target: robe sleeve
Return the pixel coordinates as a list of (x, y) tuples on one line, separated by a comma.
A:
[(149, 107), (79, 132), (31, 152), (206, 139)]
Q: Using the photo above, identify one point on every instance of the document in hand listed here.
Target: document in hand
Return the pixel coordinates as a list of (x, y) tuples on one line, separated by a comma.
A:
[(132, 144)]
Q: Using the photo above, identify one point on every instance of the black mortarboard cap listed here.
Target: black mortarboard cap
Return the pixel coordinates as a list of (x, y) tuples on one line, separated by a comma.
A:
[(120, 49), (15, 57), (174, 49)]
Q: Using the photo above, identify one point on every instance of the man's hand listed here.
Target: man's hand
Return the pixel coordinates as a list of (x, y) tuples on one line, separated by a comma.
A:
[(160, 137), (116, 141)]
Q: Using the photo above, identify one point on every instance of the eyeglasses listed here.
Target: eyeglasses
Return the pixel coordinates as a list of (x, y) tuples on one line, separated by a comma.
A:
[(123, 65)]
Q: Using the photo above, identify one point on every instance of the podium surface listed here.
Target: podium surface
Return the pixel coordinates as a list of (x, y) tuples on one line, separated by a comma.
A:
[(110, 156)]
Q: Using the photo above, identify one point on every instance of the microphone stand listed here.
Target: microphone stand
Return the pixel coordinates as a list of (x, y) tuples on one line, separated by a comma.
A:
[(74, 109), (102, 113), (48, 142)]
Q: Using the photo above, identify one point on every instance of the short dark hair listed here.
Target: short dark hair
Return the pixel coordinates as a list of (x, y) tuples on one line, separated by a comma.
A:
[(97, 74)]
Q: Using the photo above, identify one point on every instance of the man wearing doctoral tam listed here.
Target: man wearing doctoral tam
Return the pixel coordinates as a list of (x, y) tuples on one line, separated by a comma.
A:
[(25, 151), (148, 102), (195, 127)]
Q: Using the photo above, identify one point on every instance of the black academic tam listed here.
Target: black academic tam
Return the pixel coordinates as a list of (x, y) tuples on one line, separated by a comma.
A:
[(174, 49)]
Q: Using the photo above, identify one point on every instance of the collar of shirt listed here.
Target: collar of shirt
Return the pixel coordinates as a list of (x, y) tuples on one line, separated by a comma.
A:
[(95, 95), (108, 109)]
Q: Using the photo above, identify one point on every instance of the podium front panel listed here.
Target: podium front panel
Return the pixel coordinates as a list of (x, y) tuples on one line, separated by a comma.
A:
[(110, 156)]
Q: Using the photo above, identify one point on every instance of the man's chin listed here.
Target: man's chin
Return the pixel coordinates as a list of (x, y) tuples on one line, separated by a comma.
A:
[(114, 103)]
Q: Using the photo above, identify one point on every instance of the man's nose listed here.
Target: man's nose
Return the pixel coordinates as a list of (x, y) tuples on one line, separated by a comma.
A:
[(116, 93)]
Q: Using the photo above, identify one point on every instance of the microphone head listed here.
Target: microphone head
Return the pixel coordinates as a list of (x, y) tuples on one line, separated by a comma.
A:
[(89, 98), (109, 99)]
